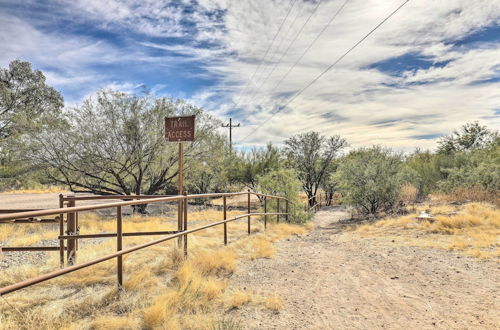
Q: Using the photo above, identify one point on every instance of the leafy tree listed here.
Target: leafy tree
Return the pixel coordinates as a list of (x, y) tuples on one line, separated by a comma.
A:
[(208, 174), (249, 166), (284, 182), (426, 169), (477, 169), (469, 137), (26, 101), (312, 154), (27, 105), (329, 185), (115, 145), (369, 179)]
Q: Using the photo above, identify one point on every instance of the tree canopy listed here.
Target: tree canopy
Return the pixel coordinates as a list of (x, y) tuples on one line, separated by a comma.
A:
[(312, 154), (115, 144), (26, 101)]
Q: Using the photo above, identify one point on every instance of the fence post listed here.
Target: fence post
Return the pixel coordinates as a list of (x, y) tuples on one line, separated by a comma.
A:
[(225, 218), (265, 211), (248, 208), (71, 230), (185, 225), (179, 221), (119, 235), (61, 232), (278, 210), (286, 210)]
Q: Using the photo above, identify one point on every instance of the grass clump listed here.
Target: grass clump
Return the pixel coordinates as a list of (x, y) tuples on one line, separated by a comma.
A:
[(472, 228), (161, 290)]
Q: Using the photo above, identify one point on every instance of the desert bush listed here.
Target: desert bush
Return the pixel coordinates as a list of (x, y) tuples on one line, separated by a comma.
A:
[(466, 194), (369, 179), (479, 169), (408, 194), (284, 182)]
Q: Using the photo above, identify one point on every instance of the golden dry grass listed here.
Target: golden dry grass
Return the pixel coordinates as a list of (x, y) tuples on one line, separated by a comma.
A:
[(161, 290), (472, 228), (274, 303)]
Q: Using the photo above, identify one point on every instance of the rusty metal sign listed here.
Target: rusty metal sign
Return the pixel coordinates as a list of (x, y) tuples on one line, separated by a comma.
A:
[(178, 129)]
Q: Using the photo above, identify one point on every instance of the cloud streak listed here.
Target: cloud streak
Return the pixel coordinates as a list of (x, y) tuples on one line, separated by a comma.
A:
[(431, 68)]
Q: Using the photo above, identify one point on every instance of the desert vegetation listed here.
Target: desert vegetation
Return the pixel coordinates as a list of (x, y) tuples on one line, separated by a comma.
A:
[(112, 143), (161, 289)]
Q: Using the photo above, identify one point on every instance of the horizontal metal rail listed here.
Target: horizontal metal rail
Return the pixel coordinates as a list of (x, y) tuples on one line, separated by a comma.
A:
[(104, 235), (70, 269), (31, 220), (29, 248), (33, 214), (106, 197)]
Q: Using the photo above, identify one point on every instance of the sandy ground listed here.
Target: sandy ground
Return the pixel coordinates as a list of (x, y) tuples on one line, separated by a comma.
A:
[(332, 279)]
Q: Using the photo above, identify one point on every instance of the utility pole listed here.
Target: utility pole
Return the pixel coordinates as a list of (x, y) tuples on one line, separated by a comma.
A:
[(230, 125)]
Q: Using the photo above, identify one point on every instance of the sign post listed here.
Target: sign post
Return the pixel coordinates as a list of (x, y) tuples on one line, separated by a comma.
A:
[(180, 129)]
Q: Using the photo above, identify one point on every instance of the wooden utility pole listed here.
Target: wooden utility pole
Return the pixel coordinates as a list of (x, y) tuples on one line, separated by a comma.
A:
[(230, 125)]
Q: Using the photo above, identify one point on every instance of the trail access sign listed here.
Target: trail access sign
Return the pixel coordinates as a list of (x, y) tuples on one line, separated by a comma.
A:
[(179, 129)]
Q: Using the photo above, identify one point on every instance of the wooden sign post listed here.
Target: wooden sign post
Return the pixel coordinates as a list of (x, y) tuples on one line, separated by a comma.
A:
[(180, 129)]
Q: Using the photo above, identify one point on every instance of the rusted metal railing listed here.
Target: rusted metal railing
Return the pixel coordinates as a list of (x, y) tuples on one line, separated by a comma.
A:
[(72, 234)]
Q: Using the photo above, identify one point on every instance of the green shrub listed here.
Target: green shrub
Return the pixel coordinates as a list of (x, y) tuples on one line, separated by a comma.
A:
[(284, 182), (370, 179)]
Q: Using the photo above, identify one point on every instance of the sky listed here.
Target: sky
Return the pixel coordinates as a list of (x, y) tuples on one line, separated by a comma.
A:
[(429, 69)]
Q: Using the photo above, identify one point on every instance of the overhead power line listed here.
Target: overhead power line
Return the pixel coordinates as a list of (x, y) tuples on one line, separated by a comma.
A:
[(310, 45), (279, 109), (292, 3), (286, 50)]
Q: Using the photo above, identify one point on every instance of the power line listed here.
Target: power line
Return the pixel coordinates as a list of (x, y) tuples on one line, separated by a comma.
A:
[(310, 45), (326, 70), (292, 4), (271, 59), (287, 49)]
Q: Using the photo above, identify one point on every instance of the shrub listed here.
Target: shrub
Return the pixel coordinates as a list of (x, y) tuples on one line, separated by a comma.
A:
[(476, 169), (369, 179), (408, 194), (284, 182)]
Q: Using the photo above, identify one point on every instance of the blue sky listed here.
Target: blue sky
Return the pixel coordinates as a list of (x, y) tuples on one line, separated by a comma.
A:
[(432, 67)]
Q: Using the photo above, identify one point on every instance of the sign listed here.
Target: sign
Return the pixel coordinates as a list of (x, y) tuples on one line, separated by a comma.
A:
[(178, 129)]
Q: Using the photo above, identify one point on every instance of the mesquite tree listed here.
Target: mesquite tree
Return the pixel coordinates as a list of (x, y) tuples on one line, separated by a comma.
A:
[(115, 145), (26, 102), (312, 154)]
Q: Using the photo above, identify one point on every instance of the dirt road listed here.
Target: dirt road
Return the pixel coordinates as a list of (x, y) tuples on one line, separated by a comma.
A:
[(331, 279)]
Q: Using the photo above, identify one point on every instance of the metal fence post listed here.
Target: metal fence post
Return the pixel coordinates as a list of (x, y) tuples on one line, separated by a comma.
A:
[(286, 210), (71, 230), (185, 225), (179, 221), (265, 211), (225, 218), (61, 232), (248, 208), (119, 246), (278, 210)]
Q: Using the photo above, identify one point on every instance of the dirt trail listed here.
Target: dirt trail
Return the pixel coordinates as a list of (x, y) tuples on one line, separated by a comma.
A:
[(331, 279)]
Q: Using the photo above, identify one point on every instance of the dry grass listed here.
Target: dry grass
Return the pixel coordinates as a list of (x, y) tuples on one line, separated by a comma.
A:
[(468, 194), (274, 303), (161, 290), (239, 298), (472, 228)]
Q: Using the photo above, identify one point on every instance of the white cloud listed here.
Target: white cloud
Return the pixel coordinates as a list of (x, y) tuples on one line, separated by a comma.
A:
[(363, 104)]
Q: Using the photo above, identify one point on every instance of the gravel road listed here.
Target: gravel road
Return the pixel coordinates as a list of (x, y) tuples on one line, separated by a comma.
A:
[(331, 279)]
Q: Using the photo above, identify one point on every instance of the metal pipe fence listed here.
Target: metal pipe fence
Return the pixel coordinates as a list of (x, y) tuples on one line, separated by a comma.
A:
[(72, 233)]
